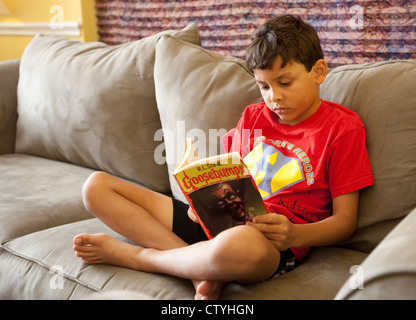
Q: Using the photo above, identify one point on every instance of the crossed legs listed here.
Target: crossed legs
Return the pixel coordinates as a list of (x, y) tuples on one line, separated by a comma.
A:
[(238, 254)]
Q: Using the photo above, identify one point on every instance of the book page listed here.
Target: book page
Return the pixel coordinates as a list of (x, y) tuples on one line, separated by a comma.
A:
[(190, 155)]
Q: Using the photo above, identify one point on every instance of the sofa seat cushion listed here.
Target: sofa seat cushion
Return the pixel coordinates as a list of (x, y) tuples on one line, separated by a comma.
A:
[(45, 260), (93, 105), (43, 265), (37, 194), (318, 277)]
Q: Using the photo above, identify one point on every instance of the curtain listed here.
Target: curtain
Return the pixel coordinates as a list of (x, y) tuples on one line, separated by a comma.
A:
[(350, 31)]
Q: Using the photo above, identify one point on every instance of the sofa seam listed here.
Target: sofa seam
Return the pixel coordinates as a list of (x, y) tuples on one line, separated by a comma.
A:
[(45, 266)]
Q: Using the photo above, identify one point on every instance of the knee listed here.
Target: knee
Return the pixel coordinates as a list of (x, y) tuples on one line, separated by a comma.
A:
[(255, 247), (243, 247), (93, 188)]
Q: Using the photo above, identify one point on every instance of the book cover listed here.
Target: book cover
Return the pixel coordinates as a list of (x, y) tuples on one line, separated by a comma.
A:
[(220, 189)]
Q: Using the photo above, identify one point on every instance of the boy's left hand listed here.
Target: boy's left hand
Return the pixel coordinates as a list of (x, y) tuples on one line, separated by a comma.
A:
[(275, 227)]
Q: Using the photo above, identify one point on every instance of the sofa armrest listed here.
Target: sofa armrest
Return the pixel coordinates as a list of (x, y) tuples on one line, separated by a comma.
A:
[(9, 76), (389, 272)]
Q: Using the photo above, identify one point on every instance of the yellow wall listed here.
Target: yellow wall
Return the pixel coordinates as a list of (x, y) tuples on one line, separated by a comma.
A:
[(83, 11)]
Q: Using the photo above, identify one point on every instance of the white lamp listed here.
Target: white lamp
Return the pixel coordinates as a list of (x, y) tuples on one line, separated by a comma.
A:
[(4, 11)]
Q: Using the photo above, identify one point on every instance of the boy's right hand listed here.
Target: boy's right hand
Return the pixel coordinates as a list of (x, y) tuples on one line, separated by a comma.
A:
[(192, 215)]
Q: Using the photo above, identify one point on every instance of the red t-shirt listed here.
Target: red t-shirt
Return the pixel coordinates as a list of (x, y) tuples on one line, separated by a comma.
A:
[(300, 169)]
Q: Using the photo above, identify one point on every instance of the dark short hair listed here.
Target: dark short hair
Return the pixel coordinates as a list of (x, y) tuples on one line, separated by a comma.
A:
[(288, 37)]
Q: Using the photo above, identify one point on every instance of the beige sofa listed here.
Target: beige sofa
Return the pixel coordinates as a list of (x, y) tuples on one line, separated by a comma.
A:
[(69, 108)]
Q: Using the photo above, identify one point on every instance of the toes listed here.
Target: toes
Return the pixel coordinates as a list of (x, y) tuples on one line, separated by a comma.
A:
[(92, 261), (208, 290), (203, 290), (82, 246), (81, 239), (96, 239), (86, 248), (84, 254)]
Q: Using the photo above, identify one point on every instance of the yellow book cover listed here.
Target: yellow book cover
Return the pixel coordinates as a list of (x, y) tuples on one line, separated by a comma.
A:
[(220, 189)]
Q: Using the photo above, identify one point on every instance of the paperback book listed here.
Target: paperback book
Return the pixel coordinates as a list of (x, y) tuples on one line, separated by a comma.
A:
[(220, 189)]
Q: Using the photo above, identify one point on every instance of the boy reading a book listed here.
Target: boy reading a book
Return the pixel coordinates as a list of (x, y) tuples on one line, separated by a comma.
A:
[(313, 163)]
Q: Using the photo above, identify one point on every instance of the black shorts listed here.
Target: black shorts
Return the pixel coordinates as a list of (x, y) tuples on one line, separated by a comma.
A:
[(287, 263), (189, 231), (192, 232)]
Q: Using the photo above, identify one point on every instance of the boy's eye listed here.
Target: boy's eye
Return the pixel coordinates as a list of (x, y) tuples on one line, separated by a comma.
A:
[(285, 84), (264, 87)]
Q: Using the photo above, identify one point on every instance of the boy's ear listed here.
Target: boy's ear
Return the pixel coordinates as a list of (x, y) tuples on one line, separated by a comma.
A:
[(320, 70)]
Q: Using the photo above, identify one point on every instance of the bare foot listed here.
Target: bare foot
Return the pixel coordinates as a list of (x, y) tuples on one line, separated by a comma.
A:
[(102, 248), (208, 290)]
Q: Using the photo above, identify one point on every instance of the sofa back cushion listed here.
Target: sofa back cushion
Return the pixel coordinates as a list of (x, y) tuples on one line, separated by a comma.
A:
[(200, 94), (383, 94), (93, 105)]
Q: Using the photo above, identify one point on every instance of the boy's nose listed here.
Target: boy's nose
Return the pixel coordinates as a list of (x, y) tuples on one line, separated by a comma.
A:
[(275, 95)]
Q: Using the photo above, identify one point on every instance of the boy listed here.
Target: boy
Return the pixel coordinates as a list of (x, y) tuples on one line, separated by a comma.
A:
[(314, 204)]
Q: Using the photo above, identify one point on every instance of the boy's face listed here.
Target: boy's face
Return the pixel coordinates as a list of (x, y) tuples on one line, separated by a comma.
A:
[(291, 92)]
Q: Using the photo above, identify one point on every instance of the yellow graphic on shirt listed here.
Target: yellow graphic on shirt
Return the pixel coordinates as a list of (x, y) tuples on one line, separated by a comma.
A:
[(272, 170)]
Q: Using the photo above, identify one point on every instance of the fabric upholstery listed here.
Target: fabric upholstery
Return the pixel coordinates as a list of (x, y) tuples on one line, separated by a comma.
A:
[(47, 259), (93, 105), (38, 193), (319, 277), (383, 95), (203, 90), (389, 272), (9, 76)]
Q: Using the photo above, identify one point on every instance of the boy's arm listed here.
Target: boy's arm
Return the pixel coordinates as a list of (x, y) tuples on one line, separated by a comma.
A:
[(337, 227)]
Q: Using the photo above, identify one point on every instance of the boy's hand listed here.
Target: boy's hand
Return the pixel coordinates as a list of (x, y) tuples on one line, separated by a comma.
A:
[(275, 227), (192, 215)]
